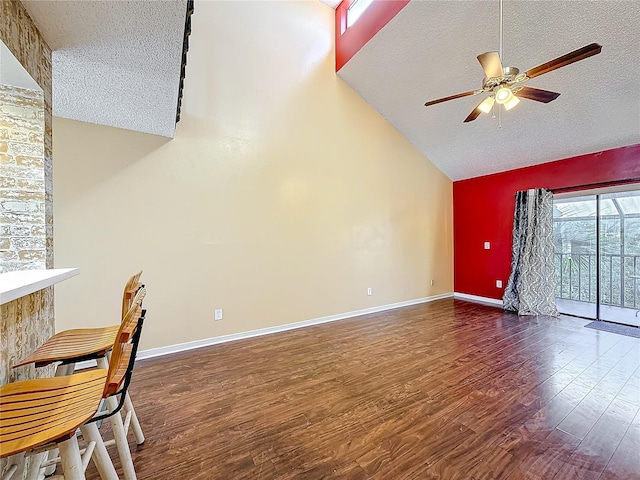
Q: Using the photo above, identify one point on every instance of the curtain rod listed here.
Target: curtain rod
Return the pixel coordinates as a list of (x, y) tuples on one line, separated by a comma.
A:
[(595, 185)]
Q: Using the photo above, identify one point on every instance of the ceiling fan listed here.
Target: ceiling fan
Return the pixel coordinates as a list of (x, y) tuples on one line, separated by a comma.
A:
[(505, 84)]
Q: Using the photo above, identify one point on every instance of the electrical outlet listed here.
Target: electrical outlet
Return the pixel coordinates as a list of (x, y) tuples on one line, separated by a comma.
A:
[(218, 314), (369, 292), (499, 283), (487, 245), (432, 283)]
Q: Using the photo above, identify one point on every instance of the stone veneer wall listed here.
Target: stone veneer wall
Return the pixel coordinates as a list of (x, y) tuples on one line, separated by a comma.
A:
[(16, 323), (28, 322), (21, 36), (22, 231)]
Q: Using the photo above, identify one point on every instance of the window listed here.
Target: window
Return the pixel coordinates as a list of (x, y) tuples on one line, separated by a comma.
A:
[(356, 9)]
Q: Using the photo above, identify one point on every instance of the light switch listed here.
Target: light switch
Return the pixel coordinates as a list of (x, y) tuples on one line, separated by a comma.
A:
[(487, 245)]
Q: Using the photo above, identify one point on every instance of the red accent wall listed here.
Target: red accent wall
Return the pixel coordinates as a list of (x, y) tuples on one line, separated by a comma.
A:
[(483, 211), (379, 13)]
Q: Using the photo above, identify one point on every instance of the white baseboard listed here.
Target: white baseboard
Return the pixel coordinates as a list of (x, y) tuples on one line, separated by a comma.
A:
[(477, 299), (181, 347)]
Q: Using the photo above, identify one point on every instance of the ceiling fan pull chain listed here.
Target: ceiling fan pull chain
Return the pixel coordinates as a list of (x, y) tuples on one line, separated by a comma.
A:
[(501, 57)]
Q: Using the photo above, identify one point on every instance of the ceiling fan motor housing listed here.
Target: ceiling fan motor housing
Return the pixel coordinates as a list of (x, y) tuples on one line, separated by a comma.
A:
[(511, 72), (509, 76)]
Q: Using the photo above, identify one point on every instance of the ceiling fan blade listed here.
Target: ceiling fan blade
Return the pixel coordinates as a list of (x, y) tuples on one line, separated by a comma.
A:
[(475, 113), (564, 60), (491, 64), (544, 96), (452, 97)]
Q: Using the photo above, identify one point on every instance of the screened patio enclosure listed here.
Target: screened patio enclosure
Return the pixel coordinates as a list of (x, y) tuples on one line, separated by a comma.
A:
[(597, 256)]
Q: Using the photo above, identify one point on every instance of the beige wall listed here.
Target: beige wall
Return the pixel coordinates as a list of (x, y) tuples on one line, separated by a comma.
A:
[(282, 197)]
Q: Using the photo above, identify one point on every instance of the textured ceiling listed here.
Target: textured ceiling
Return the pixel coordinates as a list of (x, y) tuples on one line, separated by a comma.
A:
[(115, 63), (429, 51)]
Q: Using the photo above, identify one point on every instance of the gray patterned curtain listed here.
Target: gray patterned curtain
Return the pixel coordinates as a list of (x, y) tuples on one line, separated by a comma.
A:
[(531, 286)]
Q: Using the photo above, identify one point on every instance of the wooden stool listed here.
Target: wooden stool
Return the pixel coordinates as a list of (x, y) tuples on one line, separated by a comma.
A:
[(120, 365), (72, 346), (115, 383), (37, 412)]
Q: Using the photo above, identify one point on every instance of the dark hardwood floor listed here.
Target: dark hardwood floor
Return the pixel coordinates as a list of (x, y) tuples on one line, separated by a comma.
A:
[(445, 390)]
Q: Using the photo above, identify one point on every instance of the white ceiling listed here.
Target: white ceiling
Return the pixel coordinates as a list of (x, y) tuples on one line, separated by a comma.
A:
[(429, 51), (115, 63)]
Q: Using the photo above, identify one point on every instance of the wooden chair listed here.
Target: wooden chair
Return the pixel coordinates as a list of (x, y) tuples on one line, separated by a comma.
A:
[(73, 346), (38, 412), (116, 376), (120, 366)]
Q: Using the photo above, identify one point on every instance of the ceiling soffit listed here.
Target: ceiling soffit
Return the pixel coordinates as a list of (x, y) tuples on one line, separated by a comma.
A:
[(115, 63)]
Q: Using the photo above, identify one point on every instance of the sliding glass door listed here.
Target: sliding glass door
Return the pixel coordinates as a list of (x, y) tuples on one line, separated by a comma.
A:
[(575, 255), (620, 257), (597, 256)]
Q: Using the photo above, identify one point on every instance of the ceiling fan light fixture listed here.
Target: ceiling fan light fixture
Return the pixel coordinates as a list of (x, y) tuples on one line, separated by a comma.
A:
[(512, 102), (487, 104), (504, 95)]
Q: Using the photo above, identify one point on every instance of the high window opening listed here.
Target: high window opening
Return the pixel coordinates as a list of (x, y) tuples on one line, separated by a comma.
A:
[(356, 9)]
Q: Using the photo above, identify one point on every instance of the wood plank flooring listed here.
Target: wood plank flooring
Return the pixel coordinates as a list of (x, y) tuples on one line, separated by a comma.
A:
[(444, 390)]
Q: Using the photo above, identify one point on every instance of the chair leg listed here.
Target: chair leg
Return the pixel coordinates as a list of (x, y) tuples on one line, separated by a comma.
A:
[(100, 455), (8, 472), (135, 423), (121, 440), (33, 465), (71, 461), (61, 371), (119, 435), (15, 464)]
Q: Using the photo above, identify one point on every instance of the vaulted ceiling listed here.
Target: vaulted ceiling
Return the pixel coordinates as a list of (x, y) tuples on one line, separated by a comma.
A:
[(118, 64), (429, 51), (115, 63)]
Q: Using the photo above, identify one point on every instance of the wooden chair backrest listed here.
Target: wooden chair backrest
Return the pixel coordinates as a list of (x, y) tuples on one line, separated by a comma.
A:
[(130, 289), (123, 347)]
